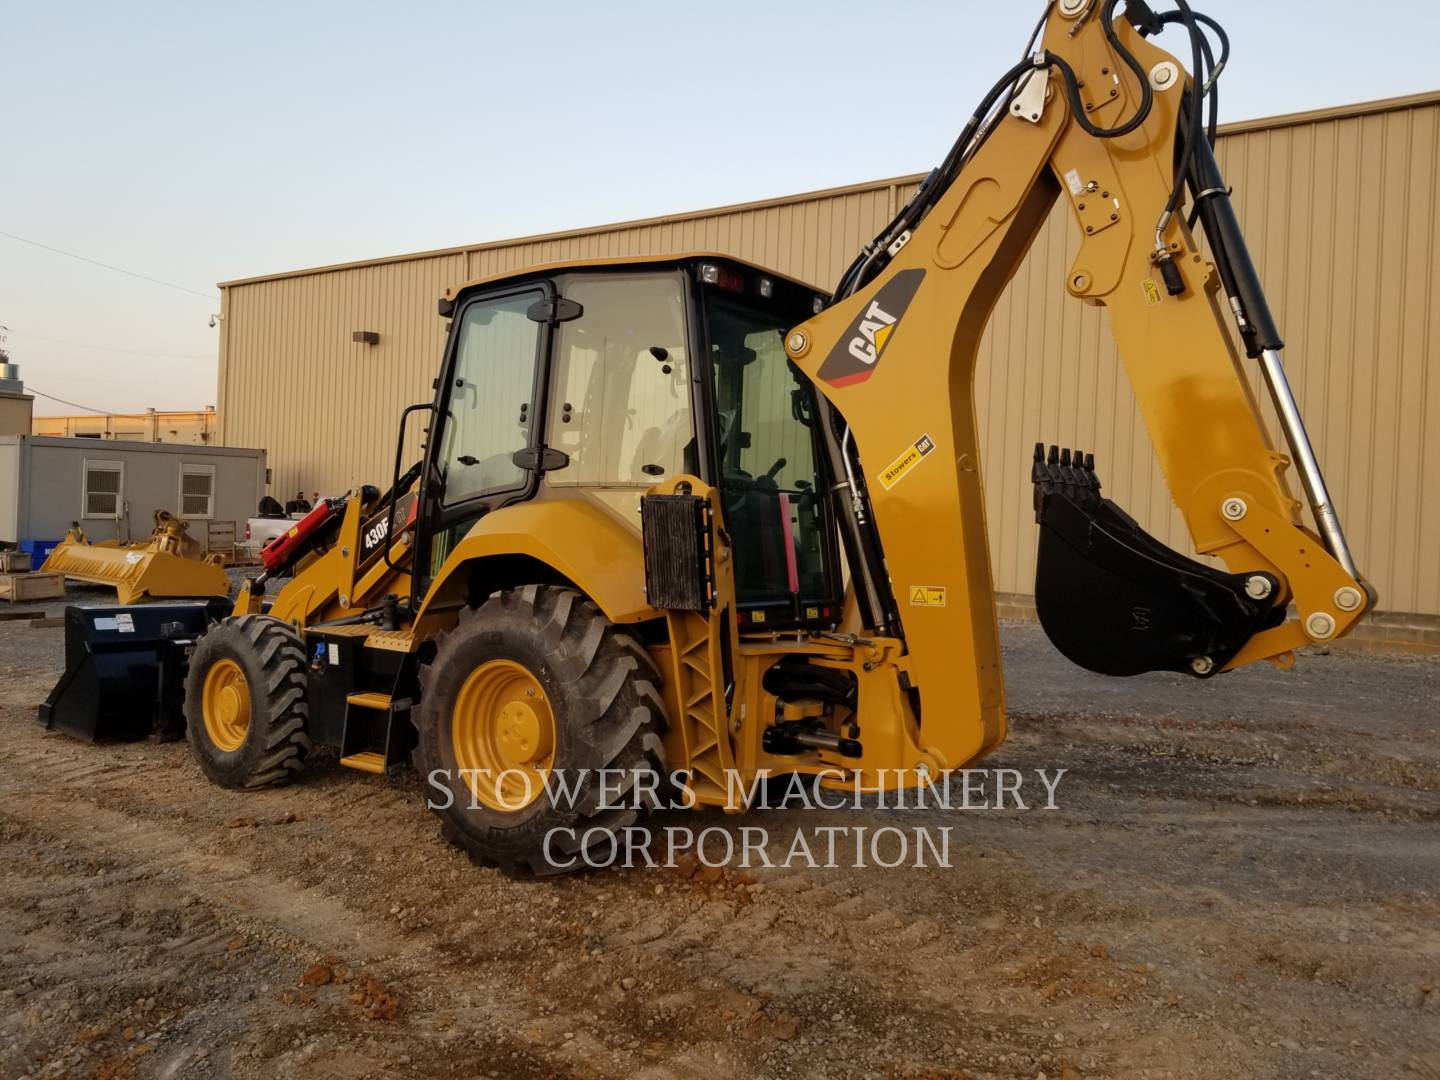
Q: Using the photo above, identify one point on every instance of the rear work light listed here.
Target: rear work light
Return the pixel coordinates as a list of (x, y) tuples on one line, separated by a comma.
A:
[(722, 277)]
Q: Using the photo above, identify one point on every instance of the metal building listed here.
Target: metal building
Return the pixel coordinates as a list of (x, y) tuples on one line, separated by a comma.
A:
[(192, 426), (1340, 210)]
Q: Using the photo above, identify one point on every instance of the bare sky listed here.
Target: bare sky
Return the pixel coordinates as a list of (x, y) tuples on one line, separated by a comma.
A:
[(200, 142)]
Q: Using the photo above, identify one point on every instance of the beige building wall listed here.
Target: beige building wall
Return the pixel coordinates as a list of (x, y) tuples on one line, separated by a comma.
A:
[(15, 413), (1339, 208), (197, 428)]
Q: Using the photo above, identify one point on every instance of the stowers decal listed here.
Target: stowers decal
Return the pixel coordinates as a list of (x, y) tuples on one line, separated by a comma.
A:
[(854, 358)]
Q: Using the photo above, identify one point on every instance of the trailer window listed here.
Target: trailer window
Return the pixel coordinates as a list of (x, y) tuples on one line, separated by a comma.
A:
[(104, 489), (197, 491)]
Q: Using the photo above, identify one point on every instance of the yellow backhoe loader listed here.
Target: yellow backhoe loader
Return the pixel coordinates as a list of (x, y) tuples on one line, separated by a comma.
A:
[(688, 520)]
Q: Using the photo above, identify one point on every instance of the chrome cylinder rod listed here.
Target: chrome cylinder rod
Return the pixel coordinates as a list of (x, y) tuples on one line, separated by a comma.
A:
[(1311, 478)]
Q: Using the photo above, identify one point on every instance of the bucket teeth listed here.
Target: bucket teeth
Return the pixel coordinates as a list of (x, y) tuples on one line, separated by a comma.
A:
[(1065, 472)]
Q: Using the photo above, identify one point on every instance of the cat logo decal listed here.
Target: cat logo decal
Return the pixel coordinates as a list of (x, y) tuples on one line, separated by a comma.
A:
[(854, 358)]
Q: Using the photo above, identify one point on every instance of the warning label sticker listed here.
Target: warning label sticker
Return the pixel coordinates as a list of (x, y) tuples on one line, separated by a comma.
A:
[(913, 455), (927, 595), (1152, 291)]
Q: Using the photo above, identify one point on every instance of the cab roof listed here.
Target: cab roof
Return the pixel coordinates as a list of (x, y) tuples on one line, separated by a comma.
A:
[(676, 259)]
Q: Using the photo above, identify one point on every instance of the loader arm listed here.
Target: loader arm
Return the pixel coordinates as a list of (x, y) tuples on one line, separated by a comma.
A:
[(1100, 117)]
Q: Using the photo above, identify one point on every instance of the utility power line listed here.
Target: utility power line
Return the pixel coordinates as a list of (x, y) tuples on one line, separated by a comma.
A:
[(108, 266), (109, 349), (73, 404)]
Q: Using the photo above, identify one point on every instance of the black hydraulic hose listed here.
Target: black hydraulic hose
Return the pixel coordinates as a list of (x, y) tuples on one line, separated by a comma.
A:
[(1209, 81), (1213, 79), (1072, 84), (948, 168), (1212, 108), (1196, 117), (967, 145), (894, 227), (934, 186), (1206, 21)]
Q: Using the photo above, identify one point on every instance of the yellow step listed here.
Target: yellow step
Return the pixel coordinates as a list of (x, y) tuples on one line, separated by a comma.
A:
[(370, 699), (369, 761)]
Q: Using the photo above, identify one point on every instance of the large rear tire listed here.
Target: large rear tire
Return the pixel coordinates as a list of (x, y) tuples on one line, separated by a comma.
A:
[(245, 707), (534, 684)]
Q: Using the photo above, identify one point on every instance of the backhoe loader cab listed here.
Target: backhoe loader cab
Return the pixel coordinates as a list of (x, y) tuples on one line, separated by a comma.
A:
[(598, 382)]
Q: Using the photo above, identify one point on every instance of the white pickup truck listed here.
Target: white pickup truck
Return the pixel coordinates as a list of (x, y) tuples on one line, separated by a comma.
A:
[(259, 531), (264, 527)]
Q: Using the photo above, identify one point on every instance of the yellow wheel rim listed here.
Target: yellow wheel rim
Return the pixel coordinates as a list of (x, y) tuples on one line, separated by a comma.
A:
[(226, 700), (503, 735)]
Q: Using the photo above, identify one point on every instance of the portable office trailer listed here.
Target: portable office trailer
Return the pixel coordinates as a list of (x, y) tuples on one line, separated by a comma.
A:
[(114, 488)]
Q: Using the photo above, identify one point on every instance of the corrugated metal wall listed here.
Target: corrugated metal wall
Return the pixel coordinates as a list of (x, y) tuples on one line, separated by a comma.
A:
[(1339, 211)]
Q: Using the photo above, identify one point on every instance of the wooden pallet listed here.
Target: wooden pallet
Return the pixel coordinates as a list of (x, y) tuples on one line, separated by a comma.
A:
[(24, 588), (220, 538)]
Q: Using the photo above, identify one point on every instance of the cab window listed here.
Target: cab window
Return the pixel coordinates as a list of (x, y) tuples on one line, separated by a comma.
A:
[(621, 405), (769, 459), (489, 401)]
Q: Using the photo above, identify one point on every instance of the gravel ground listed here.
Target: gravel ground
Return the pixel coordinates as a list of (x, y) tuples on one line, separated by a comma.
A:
[(1241, 879)]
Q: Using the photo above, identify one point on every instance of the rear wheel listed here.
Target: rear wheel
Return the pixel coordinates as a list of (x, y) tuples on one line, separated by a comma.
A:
[(540, 730), (245, 705)]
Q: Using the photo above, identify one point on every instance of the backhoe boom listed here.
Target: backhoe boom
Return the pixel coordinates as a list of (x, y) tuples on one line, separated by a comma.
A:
[(1100, 117)]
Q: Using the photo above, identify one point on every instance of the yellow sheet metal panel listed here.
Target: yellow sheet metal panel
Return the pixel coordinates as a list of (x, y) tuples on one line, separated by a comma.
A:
[(1339, 209)]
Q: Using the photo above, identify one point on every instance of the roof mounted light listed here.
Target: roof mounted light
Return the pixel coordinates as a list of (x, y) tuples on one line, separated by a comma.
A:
[(722, 277)]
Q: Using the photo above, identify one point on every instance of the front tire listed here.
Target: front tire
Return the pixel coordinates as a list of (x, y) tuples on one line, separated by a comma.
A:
[(533, 684), (245, 707)]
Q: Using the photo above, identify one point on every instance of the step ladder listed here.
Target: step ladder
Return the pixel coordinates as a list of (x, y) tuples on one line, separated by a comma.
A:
[(356, 748)]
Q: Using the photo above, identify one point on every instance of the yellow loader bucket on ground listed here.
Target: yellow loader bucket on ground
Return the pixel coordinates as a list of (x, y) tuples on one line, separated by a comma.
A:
[(170, 565)]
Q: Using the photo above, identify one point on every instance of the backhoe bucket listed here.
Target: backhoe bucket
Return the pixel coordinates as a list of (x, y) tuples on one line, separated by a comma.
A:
[(167, 566), (1115, 600), (125, 670)]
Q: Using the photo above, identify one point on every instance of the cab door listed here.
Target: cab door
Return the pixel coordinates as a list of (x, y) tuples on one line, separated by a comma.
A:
[(489, 408)]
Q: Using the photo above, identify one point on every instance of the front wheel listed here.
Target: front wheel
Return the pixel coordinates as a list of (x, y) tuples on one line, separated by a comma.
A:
[(539, 726), (245, 707)]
